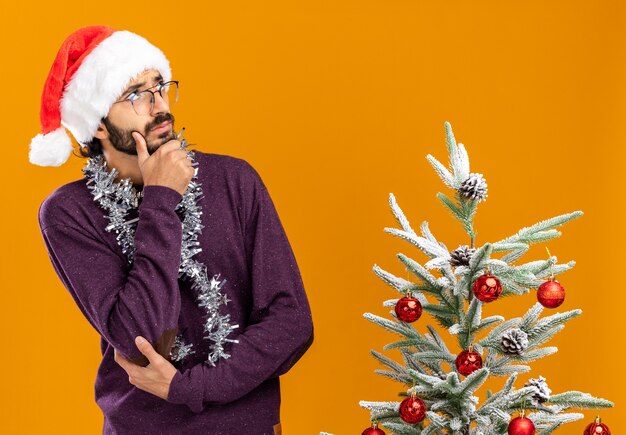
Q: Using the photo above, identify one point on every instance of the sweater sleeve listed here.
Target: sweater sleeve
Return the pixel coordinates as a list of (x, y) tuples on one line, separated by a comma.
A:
[(280, 329), (121, 300)]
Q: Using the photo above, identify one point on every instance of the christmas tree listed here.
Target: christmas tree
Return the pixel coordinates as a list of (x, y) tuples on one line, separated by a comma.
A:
[(439, 383)]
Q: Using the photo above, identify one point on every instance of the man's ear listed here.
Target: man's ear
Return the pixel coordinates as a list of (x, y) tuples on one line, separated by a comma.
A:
[(102, 132)]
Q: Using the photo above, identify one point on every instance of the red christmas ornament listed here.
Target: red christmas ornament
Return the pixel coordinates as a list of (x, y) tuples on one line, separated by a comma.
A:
[(412, 410), (487, 288), (597, 428), (373, 430), (551, 294), (408, 309), (468, 362), (521, 426)]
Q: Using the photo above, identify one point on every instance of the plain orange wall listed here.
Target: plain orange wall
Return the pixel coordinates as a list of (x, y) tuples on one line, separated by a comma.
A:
[(336, 104)]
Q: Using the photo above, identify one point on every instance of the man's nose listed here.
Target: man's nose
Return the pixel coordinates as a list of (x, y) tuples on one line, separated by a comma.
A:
[(161, 105)]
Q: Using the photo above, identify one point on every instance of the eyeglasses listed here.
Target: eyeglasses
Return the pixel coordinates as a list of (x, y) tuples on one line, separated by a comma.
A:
[(143, 102)]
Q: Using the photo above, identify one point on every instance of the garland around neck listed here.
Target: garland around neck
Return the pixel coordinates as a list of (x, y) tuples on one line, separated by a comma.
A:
[(118, 199)]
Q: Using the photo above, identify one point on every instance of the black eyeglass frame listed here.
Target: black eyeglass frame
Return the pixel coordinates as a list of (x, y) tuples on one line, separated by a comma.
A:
[(159, 87)]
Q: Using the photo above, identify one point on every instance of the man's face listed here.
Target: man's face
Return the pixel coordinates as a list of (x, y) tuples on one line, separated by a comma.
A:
[(157, 126)]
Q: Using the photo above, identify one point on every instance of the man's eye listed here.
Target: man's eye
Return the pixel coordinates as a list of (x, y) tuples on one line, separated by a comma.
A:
[(133, 96)]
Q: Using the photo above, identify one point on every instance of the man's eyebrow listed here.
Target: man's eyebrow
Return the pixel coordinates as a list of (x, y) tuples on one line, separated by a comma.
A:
[(136, 86), (133, 88)]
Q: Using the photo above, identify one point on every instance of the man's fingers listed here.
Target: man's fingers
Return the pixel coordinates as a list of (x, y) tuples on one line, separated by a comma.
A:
[(142, 148), (169, 146), (123, 362), (146, 348), (128, 367), (180, 155)]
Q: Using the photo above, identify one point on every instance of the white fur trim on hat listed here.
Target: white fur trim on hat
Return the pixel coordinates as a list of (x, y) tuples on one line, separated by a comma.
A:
[(103, 76), (52, 149)]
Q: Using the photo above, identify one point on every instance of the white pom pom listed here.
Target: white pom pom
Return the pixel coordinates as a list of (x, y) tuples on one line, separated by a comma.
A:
[(52, 149)]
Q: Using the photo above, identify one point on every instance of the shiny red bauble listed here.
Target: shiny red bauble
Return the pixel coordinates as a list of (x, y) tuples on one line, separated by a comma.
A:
[(468, 362), (487, 288), (412, 410), (597, 428), (521, 426), (408, 309), (374, 430), (551, 294)]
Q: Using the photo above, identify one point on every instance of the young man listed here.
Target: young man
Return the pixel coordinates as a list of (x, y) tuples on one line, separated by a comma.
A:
[(177, 258)]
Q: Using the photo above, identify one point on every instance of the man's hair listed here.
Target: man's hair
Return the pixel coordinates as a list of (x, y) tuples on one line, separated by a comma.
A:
[(94, 146), (91, 149)]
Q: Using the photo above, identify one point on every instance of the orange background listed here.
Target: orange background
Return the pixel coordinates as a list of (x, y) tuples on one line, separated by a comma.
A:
[(336, 104)]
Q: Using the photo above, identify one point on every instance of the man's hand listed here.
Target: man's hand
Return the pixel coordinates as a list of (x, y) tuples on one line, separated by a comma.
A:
[(167, 166), (156, 377)]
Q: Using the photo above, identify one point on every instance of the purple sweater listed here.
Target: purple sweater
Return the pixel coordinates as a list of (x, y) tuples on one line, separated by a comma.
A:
[(243, 241)]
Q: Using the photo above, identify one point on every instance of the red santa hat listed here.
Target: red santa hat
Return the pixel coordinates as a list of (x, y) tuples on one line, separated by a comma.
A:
[(91, 70)]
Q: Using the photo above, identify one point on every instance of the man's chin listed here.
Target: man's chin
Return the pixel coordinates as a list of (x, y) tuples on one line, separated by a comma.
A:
[(155, 145)]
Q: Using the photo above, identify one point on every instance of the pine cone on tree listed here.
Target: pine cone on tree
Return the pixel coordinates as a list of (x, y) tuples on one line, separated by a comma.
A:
[(514, 341), (543, 392), (475, 187), (461, 256)]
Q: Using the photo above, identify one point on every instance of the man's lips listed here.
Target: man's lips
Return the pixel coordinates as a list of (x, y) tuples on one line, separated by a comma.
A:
[(163, 127)]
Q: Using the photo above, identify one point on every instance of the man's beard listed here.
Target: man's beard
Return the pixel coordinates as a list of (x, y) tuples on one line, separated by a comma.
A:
[(122, 140)]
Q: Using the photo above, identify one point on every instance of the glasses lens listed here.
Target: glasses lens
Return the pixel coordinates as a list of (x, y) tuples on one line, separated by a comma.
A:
[(169, 92), (143, 103)]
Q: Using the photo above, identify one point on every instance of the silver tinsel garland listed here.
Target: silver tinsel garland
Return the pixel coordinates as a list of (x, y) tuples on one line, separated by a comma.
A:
[(118, 199)]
